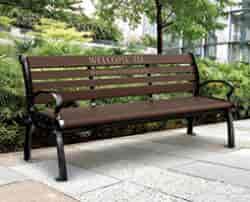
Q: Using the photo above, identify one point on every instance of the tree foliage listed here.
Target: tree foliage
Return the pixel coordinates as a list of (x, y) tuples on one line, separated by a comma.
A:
[(182, 16), (189, 18), (26, 16), (43, 6), (28, 12)]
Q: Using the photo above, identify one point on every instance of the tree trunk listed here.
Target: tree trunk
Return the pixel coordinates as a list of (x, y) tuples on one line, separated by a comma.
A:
[(159, 27)]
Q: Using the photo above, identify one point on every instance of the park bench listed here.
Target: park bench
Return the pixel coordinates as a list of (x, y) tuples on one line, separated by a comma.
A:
[(69, 80)]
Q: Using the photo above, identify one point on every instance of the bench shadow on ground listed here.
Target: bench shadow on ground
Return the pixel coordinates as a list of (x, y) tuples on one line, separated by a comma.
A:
[(174, 149)]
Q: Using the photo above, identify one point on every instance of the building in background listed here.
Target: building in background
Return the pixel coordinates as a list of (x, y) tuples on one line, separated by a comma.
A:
[(227, 45)]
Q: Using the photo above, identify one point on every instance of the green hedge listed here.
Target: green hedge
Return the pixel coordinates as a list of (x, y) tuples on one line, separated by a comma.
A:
[(11, 85), (11, 104), (236, 73)]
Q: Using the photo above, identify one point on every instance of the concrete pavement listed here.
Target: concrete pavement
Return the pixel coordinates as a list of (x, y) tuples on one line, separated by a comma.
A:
[(153, 167)]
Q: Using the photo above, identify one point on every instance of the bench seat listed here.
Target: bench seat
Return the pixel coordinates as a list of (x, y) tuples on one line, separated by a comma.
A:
[(106, 114)]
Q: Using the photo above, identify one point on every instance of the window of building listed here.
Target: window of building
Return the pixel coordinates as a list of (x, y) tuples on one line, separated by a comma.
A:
[(193, 46), (245, 56), (171, 40), (172, 51), (210, 47), (246, 26), (234, 52), (236, 26), (239, 52)]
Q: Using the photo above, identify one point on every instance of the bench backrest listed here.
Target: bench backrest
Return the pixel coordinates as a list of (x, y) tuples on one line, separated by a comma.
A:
[(96, 77)]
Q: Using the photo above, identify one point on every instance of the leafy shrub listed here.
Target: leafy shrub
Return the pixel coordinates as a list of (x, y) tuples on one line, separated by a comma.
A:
[(23, 46), (236, 73), (5, 22), (11, 103), (7, 49), (11, 137), (11, 88), (100, 29), (55, 48), (25, 19), (102, 51), (6, 35), (67, 48), (56, 30)]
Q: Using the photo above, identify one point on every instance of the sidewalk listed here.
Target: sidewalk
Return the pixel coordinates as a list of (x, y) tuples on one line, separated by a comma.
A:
[(154, 167)]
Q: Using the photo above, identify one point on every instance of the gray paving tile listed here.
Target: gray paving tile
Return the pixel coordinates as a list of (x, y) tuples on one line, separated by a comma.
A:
[(123, 162), (89, 160), (224, 193), (129, 192), (8, 175), (200, 190), (200, 154), (126, 153), (154, 147), (237, 159), (80, 180), (112, 144), (244, 138), (217, 172), (206, 139), (208, 129), (123, 169), (106, 156), (242, 123), (164, 160), (174, 184), (191, 188), (192, 150), (186, 140)]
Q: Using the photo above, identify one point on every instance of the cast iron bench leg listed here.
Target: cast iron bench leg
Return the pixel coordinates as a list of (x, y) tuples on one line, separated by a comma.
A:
[(230, 129), (61, 157), (190, 122), (28, 141)]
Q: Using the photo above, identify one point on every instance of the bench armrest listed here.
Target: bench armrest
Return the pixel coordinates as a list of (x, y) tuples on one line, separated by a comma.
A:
[(226, 83), (58, 101)]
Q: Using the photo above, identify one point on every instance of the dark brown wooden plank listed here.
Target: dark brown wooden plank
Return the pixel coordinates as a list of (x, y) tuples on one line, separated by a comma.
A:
[(120, 92), (102, 82), (73, 61), (44, 75), (149, 70)]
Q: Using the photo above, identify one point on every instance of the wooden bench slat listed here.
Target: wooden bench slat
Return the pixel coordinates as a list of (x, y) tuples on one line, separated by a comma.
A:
[(74, 61), (119, 92), (149, 70), (45, 75), (101, 82)]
